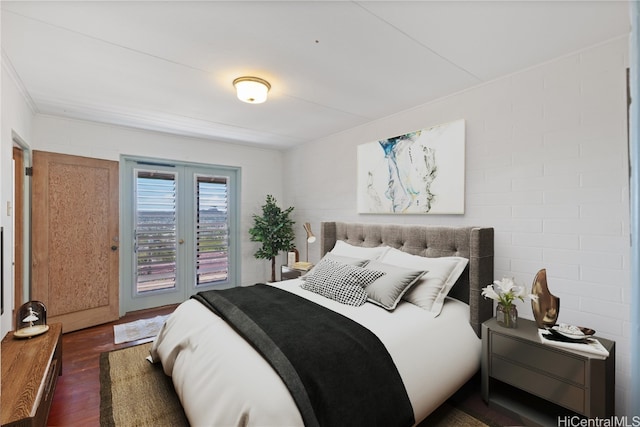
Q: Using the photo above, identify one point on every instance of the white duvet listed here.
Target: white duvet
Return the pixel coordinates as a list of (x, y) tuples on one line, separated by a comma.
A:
[(222, 381)]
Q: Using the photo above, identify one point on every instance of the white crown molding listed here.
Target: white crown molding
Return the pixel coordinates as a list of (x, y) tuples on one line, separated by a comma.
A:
[(162, 122), (11, 71)]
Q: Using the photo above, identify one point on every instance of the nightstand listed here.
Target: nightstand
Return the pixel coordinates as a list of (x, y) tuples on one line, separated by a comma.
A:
[(287, 273), (538, 382)]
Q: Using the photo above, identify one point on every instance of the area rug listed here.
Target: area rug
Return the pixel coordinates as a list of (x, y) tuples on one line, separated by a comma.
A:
[(134, 392), (138, 329), (448, 415)]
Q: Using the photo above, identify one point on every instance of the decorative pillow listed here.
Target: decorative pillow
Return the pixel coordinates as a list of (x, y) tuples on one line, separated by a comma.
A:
[(337, 258), (340, 282), (388, 289), (343, 248), (432, 288)]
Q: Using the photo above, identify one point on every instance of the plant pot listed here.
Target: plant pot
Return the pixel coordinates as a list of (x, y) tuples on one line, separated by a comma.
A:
[(507, 316)]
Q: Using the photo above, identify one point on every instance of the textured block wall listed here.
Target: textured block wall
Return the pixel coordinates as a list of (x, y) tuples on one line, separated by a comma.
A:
[(546, 166)]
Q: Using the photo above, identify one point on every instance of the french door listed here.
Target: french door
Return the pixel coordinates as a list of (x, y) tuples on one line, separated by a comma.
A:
[(180, 225)]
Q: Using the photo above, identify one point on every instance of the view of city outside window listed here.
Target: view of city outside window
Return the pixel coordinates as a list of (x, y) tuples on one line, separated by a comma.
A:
[(155, 231), (156, 235), (212, 230)]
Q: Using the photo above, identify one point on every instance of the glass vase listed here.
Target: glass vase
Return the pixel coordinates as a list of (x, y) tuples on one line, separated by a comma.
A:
[(507, 316)]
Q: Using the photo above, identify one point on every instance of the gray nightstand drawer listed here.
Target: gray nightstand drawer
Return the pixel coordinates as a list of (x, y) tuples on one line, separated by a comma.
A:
[(561, 393), (561, 365)]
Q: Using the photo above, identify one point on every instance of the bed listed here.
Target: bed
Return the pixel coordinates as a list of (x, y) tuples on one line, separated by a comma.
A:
[(224, 379)]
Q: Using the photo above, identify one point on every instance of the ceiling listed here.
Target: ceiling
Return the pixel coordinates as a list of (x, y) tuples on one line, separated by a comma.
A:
[(332, 65)]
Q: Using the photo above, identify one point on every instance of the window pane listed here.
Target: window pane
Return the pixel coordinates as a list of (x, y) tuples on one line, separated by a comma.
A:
[(155, 231), (212, 230)]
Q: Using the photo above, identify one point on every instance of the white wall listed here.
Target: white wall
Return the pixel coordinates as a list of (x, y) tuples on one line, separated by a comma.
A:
[(261, 172), (546, 166), (16, 121)]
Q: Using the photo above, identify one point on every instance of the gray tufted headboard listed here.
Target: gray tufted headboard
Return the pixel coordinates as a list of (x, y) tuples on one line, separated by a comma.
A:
[(474, 243)]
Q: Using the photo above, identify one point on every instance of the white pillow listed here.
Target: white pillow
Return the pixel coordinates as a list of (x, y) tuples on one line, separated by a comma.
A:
[(358, 262), (343, 248), (432, 288)]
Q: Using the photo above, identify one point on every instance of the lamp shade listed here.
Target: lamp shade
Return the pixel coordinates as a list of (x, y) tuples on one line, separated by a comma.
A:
[(310, 237), (252, 90)]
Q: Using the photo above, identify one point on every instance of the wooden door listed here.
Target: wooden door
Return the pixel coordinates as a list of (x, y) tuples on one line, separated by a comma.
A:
[(18, 226), (75, 239)]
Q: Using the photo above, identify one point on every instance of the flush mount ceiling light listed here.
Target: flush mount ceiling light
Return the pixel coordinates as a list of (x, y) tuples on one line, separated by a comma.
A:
[(252, 90)]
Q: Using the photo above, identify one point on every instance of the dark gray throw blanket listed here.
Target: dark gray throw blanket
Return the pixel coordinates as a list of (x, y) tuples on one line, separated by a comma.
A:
[(338, 372)]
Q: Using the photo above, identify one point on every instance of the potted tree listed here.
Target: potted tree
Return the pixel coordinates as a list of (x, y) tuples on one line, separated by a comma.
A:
[(274, 229)]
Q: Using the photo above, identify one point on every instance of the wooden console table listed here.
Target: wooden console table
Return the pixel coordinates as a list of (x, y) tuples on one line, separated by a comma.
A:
[(30, 369)]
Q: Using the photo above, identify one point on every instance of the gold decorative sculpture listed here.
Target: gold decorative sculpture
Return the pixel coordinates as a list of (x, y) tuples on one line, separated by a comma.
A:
[(546, 307)]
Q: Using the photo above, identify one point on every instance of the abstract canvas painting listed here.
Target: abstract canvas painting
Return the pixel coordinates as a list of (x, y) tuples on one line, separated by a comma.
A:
[(420, 172)]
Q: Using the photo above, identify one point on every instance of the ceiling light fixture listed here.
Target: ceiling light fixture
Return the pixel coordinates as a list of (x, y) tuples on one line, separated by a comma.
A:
[(252, 90)]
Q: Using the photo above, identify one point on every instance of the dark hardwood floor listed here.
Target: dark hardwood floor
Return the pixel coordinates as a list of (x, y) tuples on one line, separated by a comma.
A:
[(76, 401)]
